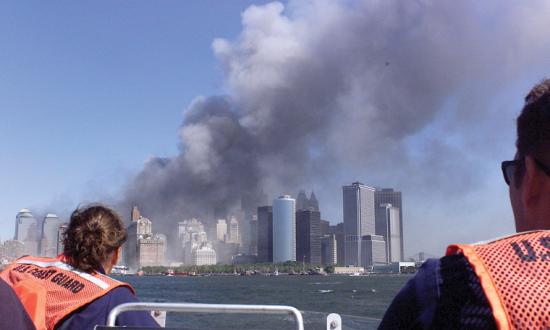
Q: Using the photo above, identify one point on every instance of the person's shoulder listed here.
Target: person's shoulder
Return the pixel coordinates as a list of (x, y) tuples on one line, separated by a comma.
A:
[(413, 307), (121, 294), (12, 312)]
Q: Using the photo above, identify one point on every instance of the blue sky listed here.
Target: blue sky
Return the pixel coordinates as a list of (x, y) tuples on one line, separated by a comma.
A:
[(89, 90), (420, 96)]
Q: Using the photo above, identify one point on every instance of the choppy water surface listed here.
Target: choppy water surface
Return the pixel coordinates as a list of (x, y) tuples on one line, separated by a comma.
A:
[(361, 300)]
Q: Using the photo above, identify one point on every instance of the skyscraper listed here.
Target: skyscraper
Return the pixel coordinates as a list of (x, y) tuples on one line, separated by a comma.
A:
[(192, 235), (143, 247), (359, 220), (338, 231), (234, 236), (265, 234), (382, 197), (308, 236), (392, 233), (221, 230), (254, 235), (304, 203), (329, 251), (284, 229), (249, 203), (325, 225), (313, 202), (373, 250), (48, 241), (26, 231)]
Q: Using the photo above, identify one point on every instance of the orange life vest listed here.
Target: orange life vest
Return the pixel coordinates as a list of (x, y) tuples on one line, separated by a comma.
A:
[(50, 289), (514, 273)]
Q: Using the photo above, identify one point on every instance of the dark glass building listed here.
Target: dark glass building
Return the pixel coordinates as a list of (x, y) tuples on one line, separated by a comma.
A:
[(308, 236), (265, 234)]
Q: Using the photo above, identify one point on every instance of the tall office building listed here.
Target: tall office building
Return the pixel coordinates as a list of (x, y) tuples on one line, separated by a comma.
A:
[(373, 250), (359, 220), (250, 201), (382, 197), (254, 235), (313, 202), (308, 236), (265, 234), (221, 230), (338, 231), (26, 231), (304, 203), (192, 235), (143, 247), (151, 250), (284, 229), (392, 234), (48, 241), (325, 225), (234, 235), (329, 253)]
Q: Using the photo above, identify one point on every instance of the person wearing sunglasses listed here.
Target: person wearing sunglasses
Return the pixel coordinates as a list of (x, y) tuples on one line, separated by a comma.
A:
[(504, 283)]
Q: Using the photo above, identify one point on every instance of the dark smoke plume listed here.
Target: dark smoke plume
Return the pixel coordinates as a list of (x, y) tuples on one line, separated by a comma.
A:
[(321, 93)]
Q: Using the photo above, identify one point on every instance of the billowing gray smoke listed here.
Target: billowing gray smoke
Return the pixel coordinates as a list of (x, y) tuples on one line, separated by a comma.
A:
[(322, 93)]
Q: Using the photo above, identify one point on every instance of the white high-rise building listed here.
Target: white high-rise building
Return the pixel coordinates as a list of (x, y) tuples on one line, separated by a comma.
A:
[(221, 230), (392, 233), (284, 229), (359, 220), (48, 241), (26, 231)]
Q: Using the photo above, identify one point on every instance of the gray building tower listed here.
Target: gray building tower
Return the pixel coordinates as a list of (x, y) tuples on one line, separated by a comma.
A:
[(359, 220), (265, 234), (48, 241), (383, 197), (373, 250), (308, 236), (26, 231)]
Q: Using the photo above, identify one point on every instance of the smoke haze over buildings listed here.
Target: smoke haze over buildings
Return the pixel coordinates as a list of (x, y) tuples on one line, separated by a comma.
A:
[(401, 94)]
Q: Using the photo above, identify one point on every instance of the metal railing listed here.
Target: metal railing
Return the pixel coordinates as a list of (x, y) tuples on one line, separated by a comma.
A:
[(207, 308)]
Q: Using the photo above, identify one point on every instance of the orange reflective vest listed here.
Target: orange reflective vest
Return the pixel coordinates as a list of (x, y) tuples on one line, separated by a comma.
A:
[(514, 273), (50, 289)]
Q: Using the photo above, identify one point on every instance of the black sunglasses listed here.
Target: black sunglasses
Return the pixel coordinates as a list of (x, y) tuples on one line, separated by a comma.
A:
[(509, 168)]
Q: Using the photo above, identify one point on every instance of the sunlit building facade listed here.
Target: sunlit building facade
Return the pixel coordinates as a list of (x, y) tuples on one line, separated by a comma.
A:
[(284, 229), (359, 220)]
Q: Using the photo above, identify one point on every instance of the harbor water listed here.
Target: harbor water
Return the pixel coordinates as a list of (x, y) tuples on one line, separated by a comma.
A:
[(360, 300)]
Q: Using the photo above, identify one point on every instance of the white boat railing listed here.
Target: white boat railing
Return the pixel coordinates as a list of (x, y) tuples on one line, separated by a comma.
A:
[(209, 308)]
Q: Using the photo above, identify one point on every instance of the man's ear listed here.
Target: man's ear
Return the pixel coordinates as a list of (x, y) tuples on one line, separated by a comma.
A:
[(532, 184)]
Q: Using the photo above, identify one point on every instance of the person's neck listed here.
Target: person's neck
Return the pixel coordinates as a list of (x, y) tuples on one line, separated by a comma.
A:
[(107, 266)]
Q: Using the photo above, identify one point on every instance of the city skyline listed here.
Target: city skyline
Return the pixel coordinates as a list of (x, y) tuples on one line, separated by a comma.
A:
[(187, 99), (294, 231)]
